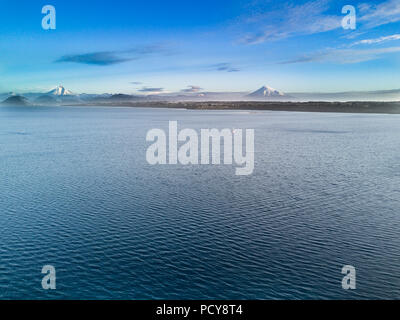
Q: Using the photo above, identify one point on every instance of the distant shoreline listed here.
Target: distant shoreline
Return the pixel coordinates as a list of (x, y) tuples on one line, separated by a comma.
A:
[(337, 107), (314, 106)]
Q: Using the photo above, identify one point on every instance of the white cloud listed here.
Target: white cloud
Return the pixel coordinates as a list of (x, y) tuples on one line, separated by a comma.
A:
[(380, 14), (344, 56), (312, 17), (378, 40), (304, 19)]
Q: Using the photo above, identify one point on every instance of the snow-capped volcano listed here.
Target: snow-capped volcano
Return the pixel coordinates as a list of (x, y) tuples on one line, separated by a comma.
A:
[(60, 91), (266, 91)]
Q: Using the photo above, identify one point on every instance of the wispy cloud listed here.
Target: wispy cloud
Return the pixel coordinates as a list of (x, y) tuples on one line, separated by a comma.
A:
[(192, 89), (378, 40), (151, 90), (380, 14), (136, 82), (314, 17), (353, 35), (343, 56), (224, 66), (292, 20), (106, 58), (95, 58)]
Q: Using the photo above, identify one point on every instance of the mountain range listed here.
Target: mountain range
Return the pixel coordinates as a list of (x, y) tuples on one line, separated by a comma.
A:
[(62, 96)]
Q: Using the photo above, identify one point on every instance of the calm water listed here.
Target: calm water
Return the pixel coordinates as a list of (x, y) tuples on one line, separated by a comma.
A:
[(77, 193)]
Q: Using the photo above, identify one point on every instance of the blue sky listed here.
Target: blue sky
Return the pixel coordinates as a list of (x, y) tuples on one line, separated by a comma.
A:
[(169, 46)]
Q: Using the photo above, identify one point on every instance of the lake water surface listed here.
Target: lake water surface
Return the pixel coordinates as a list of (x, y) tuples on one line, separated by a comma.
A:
[(78, 194)]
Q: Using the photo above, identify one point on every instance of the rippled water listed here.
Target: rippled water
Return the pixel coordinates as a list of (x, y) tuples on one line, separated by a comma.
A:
[(77, 193)]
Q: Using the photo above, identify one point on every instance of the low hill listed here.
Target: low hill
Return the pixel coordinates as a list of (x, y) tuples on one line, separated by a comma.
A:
[(16, 101)]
